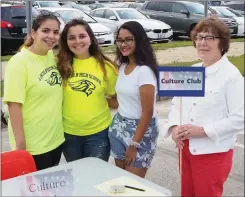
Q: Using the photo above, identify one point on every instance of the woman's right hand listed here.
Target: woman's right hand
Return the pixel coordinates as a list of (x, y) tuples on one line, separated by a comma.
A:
[(112, 102), (177, 138)]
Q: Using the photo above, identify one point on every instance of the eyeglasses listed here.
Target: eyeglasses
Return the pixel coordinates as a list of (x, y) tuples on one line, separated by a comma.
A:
[(49, 13), (206, 38), (127, 41)]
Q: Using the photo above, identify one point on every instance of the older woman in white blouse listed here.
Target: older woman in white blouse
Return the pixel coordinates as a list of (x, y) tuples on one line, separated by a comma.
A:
[(210, 124)]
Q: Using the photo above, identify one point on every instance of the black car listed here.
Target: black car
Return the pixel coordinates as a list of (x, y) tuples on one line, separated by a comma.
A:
[(182, 16), (13, 26)]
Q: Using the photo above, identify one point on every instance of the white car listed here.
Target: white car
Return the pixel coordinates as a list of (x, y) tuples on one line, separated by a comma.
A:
[(43, 4), (229, 12), (114, 17), (103, 34), (70, 4)]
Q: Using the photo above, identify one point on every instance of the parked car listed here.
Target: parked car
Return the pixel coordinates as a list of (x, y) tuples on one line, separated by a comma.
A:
[(87, 2), (13, 26), (157, 31), (103, 34), (130, 5), (94, 6), (43, 4), (214, 3), (228, 12), (13, 2), (236, 5), (69, 4), (182, 16), (90, 2)]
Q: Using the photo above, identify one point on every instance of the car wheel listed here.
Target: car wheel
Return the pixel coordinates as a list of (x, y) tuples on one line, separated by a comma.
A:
[(175, 37), (3, 52)]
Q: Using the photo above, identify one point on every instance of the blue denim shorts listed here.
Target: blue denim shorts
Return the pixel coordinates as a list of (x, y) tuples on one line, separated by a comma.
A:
[(122, 130)]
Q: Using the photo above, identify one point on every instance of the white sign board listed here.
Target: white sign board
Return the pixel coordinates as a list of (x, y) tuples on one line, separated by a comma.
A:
[(181, 81)]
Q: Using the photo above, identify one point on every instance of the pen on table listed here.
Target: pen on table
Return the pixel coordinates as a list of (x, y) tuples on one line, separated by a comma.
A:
[(135, 188)]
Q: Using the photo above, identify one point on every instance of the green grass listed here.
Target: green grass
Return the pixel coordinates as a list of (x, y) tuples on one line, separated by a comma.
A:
[(238, 61), (6, 58), (164, 46), (158, 46), (237, 39), (2, 88)]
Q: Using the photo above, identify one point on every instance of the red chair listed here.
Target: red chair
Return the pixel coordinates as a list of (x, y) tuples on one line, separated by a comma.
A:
[(16, 163)]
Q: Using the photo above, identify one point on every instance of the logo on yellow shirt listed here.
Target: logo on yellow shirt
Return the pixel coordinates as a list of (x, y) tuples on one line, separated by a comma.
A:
[(83, 85), (54, 79)]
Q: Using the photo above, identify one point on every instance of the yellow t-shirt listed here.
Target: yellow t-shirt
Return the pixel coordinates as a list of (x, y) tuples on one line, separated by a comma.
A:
[(85, 108), (34, 81)]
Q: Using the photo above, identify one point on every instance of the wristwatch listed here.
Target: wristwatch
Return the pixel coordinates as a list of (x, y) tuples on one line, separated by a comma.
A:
[(133, 143)]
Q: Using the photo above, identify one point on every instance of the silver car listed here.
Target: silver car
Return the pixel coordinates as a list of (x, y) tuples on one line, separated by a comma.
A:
[(157, 31)]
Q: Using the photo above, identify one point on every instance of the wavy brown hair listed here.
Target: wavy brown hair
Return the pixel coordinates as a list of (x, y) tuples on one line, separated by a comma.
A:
[(218, 28), (65, 55)]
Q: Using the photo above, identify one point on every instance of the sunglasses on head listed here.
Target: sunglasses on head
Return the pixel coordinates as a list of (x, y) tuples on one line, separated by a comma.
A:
[(49, 13)]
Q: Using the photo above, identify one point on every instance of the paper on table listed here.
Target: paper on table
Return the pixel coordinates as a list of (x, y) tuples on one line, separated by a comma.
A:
[(123, 180)]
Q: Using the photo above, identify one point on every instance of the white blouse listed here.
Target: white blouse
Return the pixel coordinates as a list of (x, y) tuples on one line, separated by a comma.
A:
[(220, 112)]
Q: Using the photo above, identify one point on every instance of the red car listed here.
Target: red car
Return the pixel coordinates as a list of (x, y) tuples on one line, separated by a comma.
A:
[(13, 26)]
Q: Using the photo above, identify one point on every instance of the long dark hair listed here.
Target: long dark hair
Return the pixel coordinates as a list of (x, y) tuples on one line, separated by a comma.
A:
[(65, 55), (144, 53), (37, 22)]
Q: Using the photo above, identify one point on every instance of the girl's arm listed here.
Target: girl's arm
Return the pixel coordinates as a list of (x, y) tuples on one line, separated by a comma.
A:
[(147, 95)]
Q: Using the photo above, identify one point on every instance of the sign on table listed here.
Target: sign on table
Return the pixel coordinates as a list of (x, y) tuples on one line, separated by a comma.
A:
[(58, 183)]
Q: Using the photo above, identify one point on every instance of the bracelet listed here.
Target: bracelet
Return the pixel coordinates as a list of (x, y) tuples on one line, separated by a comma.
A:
[(134, 144)]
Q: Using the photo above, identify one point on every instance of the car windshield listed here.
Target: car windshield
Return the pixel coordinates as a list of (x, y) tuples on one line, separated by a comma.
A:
[(235, 12), (99, 5), (236, 6), (82, 7), (197, 8), (18, 12), (68, 15), (225, 12), (130, 14), (49, 4)]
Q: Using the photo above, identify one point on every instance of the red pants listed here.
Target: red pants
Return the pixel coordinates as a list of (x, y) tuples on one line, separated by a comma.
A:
[(204, 175)]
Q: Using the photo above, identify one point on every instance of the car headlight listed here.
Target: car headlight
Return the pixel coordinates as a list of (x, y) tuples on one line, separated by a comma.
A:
[(109, 32), (147, 30)]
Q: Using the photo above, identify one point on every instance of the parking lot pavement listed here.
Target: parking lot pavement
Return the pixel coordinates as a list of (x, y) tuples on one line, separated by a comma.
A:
[(164, 170)]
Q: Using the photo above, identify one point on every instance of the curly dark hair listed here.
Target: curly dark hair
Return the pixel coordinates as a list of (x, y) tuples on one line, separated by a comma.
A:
[(144, 53)]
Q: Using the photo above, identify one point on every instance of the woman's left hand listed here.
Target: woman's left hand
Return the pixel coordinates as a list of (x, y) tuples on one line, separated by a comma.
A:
[(130, 155), (190, 130)]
